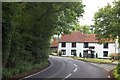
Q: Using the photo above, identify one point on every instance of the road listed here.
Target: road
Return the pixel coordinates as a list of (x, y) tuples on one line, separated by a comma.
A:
[(63, 67)]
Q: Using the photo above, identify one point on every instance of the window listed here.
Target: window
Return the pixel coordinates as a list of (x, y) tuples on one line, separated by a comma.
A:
[(73, 44), (85, 53), (63, 52), (73, 52), (105, 53), (63, 44), (85, 45), (105, 45)]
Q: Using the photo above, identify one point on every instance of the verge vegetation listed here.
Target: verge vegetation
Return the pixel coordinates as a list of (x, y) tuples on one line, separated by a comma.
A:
[(117, 72), (94, 60)]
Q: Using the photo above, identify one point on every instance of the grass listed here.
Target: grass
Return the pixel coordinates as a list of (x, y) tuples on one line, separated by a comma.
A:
[(10, 72), (117, 72), (94, 60)]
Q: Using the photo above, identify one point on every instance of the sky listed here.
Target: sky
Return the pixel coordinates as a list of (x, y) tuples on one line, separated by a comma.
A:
[(92, 6)]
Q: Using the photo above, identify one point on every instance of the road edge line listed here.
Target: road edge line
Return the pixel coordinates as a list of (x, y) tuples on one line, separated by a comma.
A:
[(68, 76), (40, 71)]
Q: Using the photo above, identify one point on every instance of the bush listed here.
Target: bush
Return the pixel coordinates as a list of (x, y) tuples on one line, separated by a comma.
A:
[(117, 72), (9, 72), (6, 73), (60, 53), (115, 56)]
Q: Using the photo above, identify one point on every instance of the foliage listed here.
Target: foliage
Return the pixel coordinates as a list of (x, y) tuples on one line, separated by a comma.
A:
[(117, 72), (60, 53), (6, 30), (94, 60), (83, 28), (115, 56), (27, 30), (107, 22), (9, 72)]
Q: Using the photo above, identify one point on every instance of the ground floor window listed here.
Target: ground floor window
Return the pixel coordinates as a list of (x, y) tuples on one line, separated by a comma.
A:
[(85, 53), (88, 53), (105, 53), (63, 52), (73, 52)]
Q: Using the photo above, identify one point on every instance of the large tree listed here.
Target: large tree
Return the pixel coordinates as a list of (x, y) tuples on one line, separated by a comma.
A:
[(28, 27), (107, 22)]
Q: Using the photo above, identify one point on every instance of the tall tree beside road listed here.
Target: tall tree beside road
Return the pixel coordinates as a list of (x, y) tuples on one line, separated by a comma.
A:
[(27, 30), (107, 22), (107, 25)]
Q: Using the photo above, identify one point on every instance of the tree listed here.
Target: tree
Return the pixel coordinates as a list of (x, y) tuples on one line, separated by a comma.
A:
[(107, 22), (28, 27), (7, 30), (82, 28)]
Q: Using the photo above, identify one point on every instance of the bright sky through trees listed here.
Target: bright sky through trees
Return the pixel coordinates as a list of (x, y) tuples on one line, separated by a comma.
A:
[(92, 6)]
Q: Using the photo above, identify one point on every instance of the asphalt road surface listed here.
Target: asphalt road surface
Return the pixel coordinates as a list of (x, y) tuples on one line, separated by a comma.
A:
[(62, 67)]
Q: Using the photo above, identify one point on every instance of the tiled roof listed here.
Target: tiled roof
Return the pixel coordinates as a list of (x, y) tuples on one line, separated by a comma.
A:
[(54, 43), (79, 37)]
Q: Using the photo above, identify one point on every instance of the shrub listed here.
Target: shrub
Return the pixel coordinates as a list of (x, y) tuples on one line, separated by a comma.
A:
[(9, 72), (115, 56), (6, 73), (60, 53), (117, 72)]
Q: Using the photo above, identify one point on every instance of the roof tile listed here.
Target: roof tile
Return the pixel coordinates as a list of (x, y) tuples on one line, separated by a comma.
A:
[(79, 37)]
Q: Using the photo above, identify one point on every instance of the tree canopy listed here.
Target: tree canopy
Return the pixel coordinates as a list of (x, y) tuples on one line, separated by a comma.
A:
[(28, 27), (107, 21), (83, 28)]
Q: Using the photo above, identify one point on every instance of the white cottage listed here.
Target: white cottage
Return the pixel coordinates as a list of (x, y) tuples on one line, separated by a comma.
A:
[(85, 45)]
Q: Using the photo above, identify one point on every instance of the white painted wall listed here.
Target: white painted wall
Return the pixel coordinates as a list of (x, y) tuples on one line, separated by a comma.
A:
[(79, 48)]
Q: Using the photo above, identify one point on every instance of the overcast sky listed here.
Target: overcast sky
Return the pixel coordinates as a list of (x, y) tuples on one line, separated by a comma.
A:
[(92, 6)]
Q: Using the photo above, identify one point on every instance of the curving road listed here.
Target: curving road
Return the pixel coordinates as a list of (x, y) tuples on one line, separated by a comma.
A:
[(64, 68)]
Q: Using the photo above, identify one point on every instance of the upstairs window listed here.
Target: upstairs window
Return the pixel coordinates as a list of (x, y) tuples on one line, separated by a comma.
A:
[(105, 45), (63, 44), (105, 53), (85, 45), (73, 44)]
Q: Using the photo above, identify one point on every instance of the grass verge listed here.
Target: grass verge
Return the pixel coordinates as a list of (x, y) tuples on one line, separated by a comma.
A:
[(93, 60), (117, 72), (22, 71)]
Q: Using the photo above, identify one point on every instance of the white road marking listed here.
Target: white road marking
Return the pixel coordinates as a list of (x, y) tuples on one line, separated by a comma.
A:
[(68, 76), (70, 62), (75, 65), (39, 72), (75, 70)]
